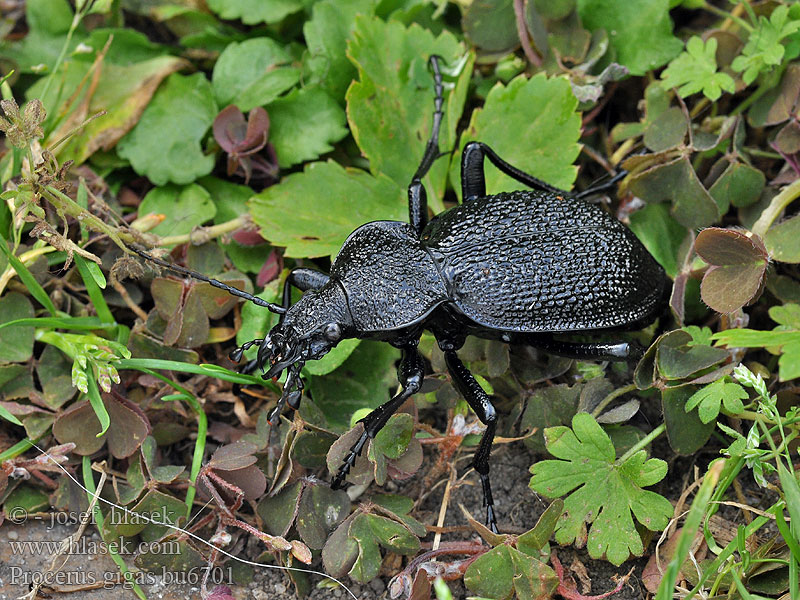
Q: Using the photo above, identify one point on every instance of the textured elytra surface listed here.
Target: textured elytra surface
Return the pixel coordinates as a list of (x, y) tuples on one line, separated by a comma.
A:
[(534, 262), (389, 278)]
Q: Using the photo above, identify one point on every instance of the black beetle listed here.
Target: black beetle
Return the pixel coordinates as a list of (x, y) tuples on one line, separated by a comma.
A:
[(516, 267)]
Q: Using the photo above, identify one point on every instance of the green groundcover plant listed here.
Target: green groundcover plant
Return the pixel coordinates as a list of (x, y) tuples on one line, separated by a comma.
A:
[(243, 138)]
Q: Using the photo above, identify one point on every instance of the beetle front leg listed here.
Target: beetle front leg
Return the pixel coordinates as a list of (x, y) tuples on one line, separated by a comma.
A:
[(417, 197), (478, 401), (410, 373)]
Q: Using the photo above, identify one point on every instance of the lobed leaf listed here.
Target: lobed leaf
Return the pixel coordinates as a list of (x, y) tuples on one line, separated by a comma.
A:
[(605, 493)]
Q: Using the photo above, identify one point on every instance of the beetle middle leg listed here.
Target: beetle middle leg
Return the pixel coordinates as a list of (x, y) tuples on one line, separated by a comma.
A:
[(410, 373), (478, 401), (473, 179)]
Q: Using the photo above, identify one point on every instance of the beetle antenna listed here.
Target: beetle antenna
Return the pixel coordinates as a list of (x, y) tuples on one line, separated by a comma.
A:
[(214, 282)]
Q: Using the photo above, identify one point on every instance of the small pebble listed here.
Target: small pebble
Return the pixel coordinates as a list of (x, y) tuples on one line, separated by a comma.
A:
[(377, 585), (12, 535)]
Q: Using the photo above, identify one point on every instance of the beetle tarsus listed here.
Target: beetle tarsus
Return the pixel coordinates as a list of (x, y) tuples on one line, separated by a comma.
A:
[(479, 402), (410, 373)]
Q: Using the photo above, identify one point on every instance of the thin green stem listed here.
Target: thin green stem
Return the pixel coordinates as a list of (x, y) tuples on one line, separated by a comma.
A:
[(643, 443), (212, 232), (17, 449), (726, 15), (76, 20), (778, 204), (751, 98), (97, 514), (611, 397), (202, 431)]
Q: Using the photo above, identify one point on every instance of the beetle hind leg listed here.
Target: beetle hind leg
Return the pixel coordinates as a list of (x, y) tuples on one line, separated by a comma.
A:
[(479, 401), (615, 351), (410, 373), (473, 181)]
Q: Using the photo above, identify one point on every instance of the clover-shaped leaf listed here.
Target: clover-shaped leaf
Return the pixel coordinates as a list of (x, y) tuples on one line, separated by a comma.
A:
[(393, 452), (605, 493), (695, 70), (738, 264), (187, 307), (243, 139), (354, 547), (313, 508), (127, 431), (236, 464)]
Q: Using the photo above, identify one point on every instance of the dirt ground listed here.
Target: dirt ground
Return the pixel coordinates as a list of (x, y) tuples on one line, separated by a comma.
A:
[(91, 575)]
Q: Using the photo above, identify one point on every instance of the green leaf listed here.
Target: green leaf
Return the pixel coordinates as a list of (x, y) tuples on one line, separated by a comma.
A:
[(549, 406), (326, 33), (785, 339), (532, 124), (607, 494), (532, 578), (686, 432), (184, 208), (165, 145), (252, 12), (253, 73), (390, 107), (333, 359), (490, 575), (491, 25), (125, 86), (783, 240), (640, 32), (48, 22), (709, 399), (764, 49), (392, 441), (660, 233), (677, 182), (304, 124), (740, 185), (312, 213), (695, 70), (16, 341)]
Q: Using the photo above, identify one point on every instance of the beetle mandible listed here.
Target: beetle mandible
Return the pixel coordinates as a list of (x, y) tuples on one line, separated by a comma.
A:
[(516, 267)]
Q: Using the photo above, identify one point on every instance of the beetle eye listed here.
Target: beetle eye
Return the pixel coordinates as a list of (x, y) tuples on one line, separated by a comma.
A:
[(332, 332)]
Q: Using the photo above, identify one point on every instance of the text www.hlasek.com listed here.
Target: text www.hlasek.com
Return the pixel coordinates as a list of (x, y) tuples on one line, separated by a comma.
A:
[(84, 546)]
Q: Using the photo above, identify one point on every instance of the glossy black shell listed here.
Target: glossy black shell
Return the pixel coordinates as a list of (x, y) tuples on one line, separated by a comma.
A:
[(525, 261)]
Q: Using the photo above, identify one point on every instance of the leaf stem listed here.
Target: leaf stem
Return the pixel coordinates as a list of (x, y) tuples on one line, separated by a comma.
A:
[(204, 233), (726, 15), (643, 443), (522, 32), (776, 207), (610, 398)]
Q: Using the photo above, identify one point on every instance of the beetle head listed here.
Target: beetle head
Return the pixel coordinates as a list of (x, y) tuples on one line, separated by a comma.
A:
[(308, 331)]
